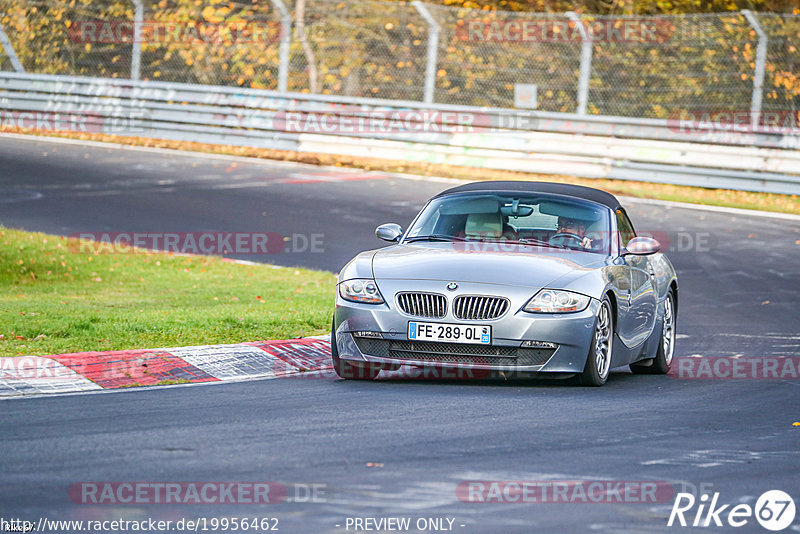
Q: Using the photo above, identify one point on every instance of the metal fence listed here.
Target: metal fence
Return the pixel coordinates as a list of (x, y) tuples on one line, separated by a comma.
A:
[(588, 146), (635, 66)]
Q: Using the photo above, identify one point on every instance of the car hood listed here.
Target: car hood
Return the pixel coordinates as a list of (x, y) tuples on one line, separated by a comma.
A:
[(461, 262)]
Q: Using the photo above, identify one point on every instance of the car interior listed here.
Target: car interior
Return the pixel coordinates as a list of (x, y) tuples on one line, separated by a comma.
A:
[(561, 223)]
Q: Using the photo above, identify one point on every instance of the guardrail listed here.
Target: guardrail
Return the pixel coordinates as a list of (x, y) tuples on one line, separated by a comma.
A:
[(625, 148)]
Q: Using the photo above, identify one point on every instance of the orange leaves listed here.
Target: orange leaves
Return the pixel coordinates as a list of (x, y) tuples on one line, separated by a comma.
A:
[(788, 81), (215, 15)]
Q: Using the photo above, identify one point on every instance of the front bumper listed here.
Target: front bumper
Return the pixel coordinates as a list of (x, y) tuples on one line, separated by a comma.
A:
[(570, 332)]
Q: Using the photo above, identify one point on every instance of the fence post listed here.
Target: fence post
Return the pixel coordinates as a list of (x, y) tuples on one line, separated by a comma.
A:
[(433, 50), (136, 45), (758, 75), (12, 55), (586, 62), (286, 36)]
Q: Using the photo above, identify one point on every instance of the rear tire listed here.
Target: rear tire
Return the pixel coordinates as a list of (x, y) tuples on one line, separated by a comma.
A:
[(598, 361), (347, 370), (666, 343)]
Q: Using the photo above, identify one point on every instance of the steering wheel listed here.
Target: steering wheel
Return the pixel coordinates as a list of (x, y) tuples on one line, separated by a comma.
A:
[(562, 236)]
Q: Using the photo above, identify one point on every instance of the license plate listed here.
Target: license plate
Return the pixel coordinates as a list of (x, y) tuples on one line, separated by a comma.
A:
[(450, 333)]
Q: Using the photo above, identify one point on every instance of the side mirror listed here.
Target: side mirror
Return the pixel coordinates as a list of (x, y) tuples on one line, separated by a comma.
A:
[(389, 232), (642, 246)]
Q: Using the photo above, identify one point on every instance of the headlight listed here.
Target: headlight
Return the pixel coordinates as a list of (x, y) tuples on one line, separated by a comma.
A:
[(556, 301), (360, 290)]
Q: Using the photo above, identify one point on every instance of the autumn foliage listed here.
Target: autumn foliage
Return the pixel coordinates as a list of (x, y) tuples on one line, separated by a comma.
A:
[(375, 49)]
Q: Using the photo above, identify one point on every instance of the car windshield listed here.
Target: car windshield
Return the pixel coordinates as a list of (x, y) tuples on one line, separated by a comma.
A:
[(525, 218)]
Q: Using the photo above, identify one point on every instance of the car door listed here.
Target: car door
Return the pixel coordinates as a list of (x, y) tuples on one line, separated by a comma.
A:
[(638, 312)]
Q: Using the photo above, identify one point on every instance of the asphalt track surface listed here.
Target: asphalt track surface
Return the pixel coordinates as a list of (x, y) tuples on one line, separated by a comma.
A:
[(399, 448)]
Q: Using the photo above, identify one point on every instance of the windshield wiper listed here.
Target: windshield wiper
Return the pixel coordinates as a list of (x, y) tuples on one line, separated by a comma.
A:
[(531, 242), (434, 237), (534, 241), (444, 237)]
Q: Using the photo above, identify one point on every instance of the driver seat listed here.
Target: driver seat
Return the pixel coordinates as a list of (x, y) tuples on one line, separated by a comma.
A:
[(483, 225)]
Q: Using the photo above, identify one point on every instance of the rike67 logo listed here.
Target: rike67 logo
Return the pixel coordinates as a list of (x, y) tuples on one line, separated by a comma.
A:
[(774, 510)]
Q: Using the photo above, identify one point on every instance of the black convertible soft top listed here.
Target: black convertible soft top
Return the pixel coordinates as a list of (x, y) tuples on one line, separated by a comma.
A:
[(577, 191)]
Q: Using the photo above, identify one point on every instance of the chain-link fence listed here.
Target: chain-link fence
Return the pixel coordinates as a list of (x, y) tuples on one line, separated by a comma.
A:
[(211, 43), (782, 80), (695, 62), (365, 48), (603, 65), (483, 55), (42, 33)]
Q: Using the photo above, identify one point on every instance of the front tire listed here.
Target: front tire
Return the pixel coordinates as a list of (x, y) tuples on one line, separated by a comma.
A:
[(598, 361), (666, 343), (348, 370)]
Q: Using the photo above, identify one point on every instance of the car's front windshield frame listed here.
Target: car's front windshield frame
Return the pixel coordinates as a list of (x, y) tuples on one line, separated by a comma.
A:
[(409, 236)]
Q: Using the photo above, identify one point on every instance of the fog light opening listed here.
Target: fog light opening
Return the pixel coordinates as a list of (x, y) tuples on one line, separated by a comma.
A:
[(368, 334), (530, 344)]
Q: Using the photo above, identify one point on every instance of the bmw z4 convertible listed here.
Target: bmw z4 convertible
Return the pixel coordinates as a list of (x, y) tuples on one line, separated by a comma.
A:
[(509, 278)]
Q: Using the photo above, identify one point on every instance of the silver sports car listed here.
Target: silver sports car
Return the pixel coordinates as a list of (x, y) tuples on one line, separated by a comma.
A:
[(509, 278)]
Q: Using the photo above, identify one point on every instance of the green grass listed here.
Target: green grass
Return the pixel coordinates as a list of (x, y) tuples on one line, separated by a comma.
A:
[(56, 299)]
